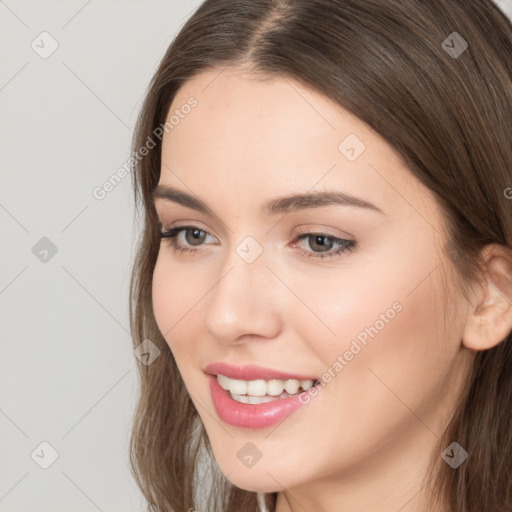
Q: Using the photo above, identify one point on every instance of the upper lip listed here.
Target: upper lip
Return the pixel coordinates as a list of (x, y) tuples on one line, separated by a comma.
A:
[(252, 372)]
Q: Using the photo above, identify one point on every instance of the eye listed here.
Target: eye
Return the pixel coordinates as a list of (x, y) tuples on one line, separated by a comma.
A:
[(318, 240), (322, 241), (197, 237)]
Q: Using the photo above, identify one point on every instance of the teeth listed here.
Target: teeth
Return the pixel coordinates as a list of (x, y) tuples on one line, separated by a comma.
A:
[(257, 388), (262, 388), (223, 381), (306, 384), (238, 387), (245, 399), (291, 386), (275, 387)]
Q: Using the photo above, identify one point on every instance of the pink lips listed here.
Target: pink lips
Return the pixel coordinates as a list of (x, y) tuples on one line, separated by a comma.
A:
[(251, 372), (251, 415)]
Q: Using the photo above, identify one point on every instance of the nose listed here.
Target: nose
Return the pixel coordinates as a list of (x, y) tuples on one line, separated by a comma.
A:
[(243, 304)]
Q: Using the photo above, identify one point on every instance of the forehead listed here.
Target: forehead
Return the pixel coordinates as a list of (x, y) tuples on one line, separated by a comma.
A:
[(251, 137), (253, 108)]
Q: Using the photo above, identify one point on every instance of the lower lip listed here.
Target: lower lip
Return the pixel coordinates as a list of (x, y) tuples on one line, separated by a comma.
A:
[(251, 415)]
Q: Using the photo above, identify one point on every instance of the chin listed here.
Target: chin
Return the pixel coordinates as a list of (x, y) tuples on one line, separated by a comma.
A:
[(250, 483), (263, 476)]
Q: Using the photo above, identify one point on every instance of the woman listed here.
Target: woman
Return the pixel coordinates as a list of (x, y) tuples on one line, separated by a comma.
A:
[(326, 260)]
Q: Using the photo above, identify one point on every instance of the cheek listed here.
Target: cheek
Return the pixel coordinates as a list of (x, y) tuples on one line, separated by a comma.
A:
[(394, 352), (176, 298), (383, 322)]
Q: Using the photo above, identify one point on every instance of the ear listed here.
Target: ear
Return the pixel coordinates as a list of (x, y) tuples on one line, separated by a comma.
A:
[(490, 313)]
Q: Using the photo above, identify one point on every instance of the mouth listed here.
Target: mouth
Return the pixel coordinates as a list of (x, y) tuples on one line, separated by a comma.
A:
[(261, 391), (251, 396)]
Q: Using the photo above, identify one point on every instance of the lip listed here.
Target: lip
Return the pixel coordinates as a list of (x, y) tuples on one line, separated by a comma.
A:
[(252, 372), (252, 415)]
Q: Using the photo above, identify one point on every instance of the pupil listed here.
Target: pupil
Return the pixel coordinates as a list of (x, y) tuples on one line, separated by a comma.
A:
[(318, 241), (196, 234)]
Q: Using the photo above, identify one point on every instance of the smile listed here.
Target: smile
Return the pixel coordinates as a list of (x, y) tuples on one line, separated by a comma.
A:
[(248, 410), (262, 391)]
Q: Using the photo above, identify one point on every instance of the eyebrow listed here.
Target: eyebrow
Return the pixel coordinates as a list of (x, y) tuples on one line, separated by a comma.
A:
[(274, 206)]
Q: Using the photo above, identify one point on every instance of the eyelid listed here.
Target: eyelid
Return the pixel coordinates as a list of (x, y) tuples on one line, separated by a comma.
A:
[(187, 224), (293, 233), (326, 230), (166, 210)]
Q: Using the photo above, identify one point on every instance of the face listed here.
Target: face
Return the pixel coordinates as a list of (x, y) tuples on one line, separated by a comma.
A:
[(347, 293)]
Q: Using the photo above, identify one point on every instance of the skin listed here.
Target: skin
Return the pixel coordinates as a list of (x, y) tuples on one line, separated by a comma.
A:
[(364, 442)]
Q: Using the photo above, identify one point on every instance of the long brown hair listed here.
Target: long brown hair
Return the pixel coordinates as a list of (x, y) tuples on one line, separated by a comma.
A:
[(448, 115)]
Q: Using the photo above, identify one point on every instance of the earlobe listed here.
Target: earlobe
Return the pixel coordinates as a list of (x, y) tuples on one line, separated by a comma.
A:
[(490, 315)]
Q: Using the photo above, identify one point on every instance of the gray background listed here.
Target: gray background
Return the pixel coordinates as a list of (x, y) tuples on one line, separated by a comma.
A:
[(68, 375)]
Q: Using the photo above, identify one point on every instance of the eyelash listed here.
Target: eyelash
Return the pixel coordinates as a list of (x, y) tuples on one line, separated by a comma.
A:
[(346, 245)]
